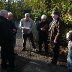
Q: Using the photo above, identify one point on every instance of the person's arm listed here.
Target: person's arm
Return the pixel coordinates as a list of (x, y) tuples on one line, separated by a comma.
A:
[(59, 29), (14, 28), (67, 36), (50, 26), (31, 26), (20, 24)]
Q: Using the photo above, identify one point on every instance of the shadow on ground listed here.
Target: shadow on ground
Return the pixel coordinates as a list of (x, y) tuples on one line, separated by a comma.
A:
[(27, 65), (23, 64)]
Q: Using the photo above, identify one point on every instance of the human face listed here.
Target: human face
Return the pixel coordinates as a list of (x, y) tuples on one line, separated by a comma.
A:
[(10, 17), (54, 16), (6, 15), (27, 18), (70, 16), (43, 20)]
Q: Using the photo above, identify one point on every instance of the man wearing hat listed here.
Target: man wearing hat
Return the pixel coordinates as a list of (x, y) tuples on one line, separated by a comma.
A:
[(42, 28), (56, 30), (26, 26)]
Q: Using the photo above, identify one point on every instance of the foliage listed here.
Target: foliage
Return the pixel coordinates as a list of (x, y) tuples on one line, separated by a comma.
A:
[(38, 7)]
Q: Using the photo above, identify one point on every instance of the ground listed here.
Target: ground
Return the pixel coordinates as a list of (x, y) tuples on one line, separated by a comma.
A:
[(27, 61)]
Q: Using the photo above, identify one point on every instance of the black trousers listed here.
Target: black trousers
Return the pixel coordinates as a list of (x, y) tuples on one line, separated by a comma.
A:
[(7, 54), (56, 52), (30, 36), (43, 38)]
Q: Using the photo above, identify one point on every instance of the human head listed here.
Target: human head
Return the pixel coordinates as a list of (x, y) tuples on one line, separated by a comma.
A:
[(55, 14), (4, 13), (27, 16), (10, 15), (70, 14), (70, 35), (43, 17)]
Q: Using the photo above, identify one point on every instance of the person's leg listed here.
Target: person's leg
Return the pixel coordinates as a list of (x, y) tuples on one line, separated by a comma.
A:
[(40, 43), (69, 67), (3, 57), (24, 42), (14, 41), (69, 58), (11, 56), (56, 53), (46, 44), (32, 41)]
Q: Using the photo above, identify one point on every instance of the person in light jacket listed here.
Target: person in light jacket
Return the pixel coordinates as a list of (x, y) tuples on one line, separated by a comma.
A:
[(26, 26), (69, 38)]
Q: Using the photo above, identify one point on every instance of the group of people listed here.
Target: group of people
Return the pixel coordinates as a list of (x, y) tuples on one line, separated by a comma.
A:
[(8, 32), (48, 32)]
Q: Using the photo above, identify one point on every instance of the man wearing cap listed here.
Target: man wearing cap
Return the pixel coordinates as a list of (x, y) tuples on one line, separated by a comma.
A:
[(26, 26), (42, 28), (56, 30)]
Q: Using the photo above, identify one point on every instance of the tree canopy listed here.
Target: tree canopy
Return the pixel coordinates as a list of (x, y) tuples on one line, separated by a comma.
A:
[(37, 7)]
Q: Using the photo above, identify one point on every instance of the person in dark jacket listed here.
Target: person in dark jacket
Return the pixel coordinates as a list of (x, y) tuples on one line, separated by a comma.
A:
[(42, 28), (13, 27), (56, 30), (7, 52)]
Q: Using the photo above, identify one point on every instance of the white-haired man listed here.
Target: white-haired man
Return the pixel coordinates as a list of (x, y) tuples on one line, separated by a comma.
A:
[(42, 28), (26, 26)]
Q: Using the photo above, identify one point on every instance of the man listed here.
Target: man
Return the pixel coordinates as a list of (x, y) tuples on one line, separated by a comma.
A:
[(7, 53), (56, 31), (43, 33), (26, 26), (13, 27), (69, 38)]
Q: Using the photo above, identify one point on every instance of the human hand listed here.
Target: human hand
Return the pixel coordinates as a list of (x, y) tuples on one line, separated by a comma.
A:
[(42, 29), (55, 41)]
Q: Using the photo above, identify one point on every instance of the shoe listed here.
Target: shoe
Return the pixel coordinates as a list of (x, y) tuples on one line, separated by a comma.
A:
[(3, 69), (34, 50), (54, 62), (34, 46), (46, 54), (11, 68), (39, 52), (23, 49)]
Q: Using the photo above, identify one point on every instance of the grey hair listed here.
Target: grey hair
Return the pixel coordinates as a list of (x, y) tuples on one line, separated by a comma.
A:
[(27, 14), (43, 16), (3, 12), (10, 13)]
